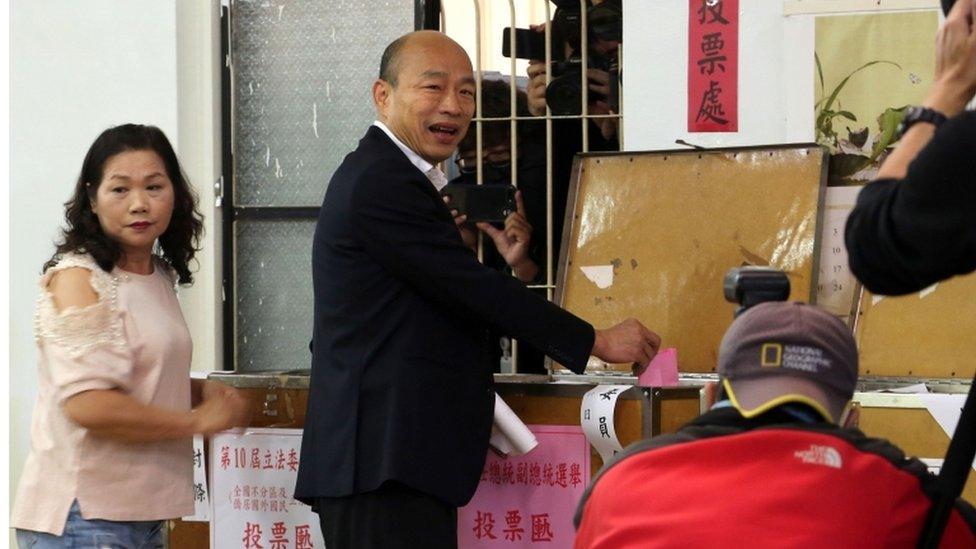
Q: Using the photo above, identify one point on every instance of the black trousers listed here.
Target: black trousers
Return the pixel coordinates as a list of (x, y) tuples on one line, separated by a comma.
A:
[(394, 516)]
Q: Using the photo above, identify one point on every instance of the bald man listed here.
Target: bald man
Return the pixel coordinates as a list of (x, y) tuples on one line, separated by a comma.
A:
[(401, 400)]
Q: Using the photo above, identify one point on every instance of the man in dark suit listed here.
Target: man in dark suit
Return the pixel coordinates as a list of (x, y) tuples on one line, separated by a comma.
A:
[(401, 400)]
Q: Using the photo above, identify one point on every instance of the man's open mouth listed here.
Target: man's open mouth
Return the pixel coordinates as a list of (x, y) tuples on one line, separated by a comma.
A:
[(441, 130)]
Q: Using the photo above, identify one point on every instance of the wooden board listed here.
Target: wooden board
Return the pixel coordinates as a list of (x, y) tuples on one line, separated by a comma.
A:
[(927, 334), (915, 432), (668, 225)]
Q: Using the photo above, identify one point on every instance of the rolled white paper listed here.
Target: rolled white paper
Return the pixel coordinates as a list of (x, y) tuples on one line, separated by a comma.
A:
[(508, 434)]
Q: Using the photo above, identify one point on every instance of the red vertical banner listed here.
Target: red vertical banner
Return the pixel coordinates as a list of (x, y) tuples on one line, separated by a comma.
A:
[(713, 65)]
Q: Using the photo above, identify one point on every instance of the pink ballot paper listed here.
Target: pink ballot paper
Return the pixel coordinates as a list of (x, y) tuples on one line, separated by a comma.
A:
[(662, 371)]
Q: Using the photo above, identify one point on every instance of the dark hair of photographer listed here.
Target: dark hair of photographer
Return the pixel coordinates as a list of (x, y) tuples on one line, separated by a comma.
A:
[(916, 224)]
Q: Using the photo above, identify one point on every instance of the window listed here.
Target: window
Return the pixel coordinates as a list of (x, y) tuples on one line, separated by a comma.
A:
[(297, 103)]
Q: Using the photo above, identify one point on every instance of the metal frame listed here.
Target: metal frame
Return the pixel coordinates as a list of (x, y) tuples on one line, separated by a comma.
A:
[(226, 206), (550, 285), (424, 12)]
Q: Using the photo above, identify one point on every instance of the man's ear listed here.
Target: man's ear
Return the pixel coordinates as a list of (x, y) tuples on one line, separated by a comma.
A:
[(382, 91)]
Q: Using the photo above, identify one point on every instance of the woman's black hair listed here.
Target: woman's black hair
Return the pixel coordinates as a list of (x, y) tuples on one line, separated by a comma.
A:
[(83, 233)]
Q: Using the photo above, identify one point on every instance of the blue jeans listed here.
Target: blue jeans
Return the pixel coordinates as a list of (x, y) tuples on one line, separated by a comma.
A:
[(80, 533)]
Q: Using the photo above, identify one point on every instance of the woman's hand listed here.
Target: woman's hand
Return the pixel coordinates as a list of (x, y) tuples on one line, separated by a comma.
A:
[(110, 413), (223, 408)]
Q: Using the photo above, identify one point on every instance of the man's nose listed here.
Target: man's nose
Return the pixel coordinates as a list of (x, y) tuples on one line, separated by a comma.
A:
[(451, 104)]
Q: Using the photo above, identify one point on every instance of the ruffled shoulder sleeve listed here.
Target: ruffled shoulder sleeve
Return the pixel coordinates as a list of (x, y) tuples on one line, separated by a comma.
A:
[(78, 330), (169, 271)]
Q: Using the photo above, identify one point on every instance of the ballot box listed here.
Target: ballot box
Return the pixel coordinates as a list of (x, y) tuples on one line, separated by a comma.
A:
[(278, 401)]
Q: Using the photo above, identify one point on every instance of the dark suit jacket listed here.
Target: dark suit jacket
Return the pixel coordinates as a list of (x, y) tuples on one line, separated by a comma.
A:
[(401, 388)]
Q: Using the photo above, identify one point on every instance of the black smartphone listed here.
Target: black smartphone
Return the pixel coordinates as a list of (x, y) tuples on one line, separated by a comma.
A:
[(528, 43), (491, 203), (947, 6)]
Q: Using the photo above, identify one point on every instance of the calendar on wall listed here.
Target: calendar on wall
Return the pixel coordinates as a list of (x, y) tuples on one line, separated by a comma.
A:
[(836, 285)]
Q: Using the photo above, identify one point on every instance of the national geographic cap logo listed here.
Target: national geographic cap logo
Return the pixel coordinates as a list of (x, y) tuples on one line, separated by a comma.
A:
[(771, 355)]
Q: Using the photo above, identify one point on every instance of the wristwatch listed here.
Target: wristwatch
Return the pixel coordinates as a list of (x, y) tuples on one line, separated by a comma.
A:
[(920, 114)]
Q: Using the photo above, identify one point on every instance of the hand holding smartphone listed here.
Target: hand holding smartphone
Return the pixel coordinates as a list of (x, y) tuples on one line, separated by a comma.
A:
[(490, 203)]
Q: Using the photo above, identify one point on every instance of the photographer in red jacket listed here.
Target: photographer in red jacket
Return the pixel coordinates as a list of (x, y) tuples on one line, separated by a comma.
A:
[(769, 465)]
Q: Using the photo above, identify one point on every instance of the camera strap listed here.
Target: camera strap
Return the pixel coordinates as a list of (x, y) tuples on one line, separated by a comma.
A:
[(952, 477)]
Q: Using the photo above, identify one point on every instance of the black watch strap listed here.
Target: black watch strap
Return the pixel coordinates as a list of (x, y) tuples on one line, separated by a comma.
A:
[(915, 115)]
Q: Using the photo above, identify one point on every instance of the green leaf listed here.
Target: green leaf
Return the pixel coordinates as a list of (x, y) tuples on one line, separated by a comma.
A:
[(888, 122), (816, 59), (847, 114), (833, 95)]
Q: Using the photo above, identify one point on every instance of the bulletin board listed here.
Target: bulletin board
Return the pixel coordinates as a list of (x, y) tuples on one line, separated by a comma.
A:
[(927, 334), (651, 236)]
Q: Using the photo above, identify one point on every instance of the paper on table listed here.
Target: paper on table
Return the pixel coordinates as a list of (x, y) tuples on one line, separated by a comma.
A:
[(946, 410), (596, 417), (508, 434), (934, 465), (917, 388)]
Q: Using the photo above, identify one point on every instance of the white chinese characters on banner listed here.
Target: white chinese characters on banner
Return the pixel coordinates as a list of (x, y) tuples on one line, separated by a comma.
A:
[(253, 479)]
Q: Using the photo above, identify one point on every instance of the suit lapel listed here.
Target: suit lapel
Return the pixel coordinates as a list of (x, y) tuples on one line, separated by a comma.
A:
[(378, 138)]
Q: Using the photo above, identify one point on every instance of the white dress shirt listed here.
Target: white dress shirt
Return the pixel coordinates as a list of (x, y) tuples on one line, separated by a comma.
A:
[(433, 173)]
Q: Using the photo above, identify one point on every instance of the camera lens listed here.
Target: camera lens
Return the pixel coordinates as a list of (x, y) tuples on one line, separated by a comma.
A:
[(564, 94)]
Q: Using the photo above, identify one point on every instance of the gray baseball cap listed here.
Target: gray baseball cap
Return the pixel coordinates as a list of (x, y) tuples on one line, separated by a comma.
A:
[(779, 352)]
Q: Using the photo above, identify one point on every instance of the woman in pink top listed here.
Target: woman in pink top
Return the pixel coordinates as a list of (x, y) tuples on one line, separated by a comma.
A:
[(111, 452)]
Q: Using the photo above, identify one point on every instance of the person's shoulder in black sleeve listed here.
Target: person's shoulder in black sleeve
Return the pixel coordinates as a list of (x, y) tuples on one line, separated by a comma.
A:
[(904, 235)]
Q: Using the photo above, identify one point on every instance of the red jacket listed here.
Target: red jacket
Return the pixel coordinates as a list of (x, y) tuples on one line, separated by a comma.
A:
[(725, 481)]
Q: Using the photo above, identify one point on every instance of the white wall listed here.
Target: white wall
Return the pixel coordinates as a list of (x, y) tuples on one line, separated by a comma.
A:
[(776, 70), (77, 68), (460, 22), (775, 76), (198, 66)]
